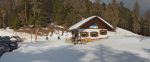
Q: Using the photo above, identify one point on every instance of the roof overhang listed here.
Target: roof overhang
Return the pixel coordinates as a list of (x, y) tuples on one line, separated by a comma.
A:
[(77, 25)]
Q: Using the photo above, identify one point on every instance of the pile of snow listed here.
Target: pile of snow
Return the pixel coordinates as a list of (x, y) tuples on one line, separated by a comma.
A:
[(4, 33), (59, 26), (10, 32), (58, 33)]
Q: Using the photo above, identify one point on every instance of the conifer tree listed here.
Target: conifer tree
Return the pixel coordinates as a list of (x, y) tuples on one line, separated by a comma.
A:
[(136, 18), (125, 16), (112, 13), (146, 23), (115, 14)]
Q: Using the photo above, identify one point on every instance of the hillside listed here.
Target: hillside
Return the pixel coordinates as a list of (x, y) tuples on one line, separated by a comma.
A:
[(121, 46), (18, 14)]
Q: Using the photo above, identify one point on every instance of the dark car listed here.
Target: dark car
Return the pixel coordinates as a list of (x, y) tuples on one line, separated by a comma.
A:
[(8, 37), (8, 44), (4, 48), (16, 39)]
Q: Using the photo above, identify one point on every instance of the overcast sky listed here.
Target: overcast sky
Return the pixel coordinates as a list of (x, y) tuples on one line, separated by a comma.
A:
[(144, 4)]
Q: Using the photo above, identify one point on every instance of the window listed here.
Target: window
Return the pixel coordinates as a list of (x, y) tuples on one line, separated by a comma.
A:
[(94, 34), (103, 32), (94, 26), (84, 34)]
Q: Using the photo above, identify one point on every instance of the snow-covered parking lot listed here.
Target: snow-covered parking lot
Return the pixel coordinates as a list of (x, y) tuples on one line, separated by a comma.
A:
[(121, 46)]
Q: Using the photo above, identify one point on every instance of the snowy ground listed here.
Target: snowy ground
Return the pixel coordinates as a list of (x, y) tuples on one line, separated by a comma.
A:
[(121, 46)]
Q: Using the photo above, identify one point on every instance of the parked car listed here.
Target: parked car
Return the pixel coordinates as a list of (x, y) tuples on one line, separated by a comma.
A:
[(16, 39), (8, 37), (4, 48), (1, 53), (7, 44)]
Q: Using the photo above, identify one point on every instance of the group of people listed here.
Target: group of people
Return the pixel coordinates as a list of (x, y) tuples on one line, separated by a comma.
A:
[(77, 40), (73, 39)]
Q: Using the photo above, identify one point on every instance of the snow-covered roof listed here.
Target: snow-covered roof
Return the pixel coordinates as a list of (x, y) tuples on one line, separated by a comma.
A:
[(77, 25)]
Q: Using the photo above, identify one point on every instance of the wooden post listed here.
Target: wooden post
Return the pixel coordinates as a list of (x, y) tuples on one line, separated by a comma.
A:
[(31, 35), (36, 34)]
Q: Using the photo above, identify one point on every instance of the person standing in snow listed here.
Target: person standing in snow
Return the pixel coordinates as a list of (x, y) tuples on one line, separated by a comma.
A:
[(46, 37), (58, 37), (79, 39)]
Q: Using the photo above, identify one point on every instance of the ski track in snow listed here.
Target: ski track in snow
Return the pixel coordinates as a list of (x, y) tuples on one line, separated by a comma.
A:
[(121, 46)]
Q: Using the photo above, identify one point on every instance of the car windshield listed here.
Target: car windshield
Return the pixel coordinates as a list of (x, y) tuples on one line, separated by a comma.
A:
[(5, 39)]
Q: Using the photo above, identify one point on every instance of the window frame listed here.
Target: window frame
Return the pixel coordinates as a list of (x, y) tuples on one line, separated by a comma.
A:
[(103, 32), (92, 33), (87, 34)]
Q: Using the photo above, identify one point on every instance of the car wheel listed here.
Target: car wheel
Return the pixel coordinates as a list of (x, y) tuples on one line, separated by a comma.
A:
[(13, 46)]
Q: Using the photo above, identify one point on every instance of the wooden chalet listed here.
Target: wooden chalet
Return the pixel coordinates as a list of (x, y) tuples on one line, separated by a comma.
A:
[(93, 27)]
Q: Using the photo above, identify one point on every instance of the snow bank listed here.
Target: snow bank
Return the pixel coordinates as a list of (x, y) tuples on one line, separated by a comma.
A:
[(122, 32), (5, 33)]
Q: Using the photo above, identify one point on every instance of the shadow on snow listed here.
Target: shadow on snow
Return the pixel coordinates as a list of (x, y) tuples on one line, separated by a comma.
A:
[(69, 54), (106, 54)]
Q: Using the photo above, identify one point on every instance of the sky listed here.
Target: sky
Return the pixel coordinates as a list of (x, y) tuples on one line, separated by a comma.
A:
[(144, 4)]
